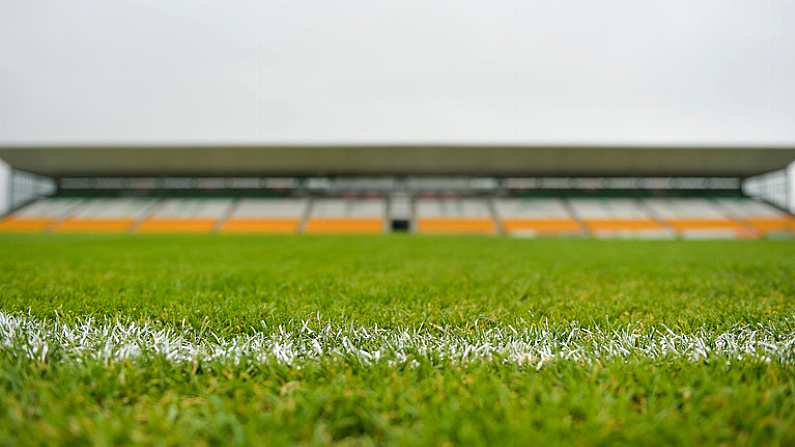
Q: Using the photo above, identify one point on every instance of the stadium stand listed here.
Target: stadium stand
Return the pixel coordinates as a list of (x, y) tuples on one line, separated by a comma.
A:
[(105, 215), (519, 190), (41, 215), (763, 218), (618, 218), (347, 215), (266, 216), (536, 217), (449, 215), (186, 215), (695, 218), (607, 217)]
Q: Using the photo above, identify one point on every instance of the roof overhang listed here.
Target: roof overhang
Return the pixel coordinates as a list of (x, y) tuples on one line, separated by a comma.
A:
[(478, 160)]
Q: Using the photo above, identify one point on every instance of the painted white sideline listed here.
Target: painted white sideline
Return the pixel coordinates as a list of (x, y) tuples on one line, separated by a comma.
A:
[(534, 345)]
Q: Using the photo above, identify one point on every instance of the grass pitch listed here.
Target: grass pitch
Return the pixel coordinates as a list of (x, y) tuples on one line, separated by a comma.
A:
[(395, 340)]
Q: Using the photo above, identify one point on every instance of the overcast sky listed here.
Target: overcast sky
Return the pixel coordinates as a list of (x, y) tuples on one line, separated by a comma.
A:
[(457, 71)]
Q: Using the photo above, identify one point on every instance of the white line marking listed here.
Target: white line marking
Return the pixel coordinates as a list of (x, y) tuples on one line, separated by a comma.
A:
[(314, 340)]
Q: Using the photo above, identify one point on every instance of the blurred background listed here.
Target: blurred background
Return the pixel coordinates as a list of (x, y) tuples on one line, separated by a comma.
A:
[(489, 106)]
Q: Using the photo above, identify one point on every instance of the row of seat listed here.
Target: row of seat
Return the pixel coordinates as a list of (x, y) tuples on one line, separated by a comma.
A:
[(649, 218), (654, 218), (199, 215)]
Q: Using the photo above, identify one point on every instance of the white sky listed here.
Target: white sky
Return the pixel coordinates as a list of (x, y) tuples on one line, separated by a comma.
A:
[(401, 71)]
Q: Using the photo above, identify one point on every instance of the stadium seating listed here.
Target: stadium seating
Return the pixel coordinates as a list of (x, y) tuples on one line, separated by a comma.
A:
[(697, 218), (618, 218), (454, 216), (40, 215), (761, 217), (266, 216), (105, 215), (605, 217), (536, 217), (364, 215), (186, 215)]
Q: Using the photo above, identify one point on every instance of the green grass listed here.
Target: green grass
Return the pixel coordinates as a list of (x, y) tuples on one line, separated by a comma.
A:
[(229, 285)]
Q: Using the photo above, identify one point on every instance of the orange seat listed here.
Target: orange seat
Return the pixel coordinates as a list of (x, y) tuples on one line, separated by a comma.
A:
[(766, 225), (455, 225), (94, 225), (162, 225), (260, 226), (344, 225), (24, 224)]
